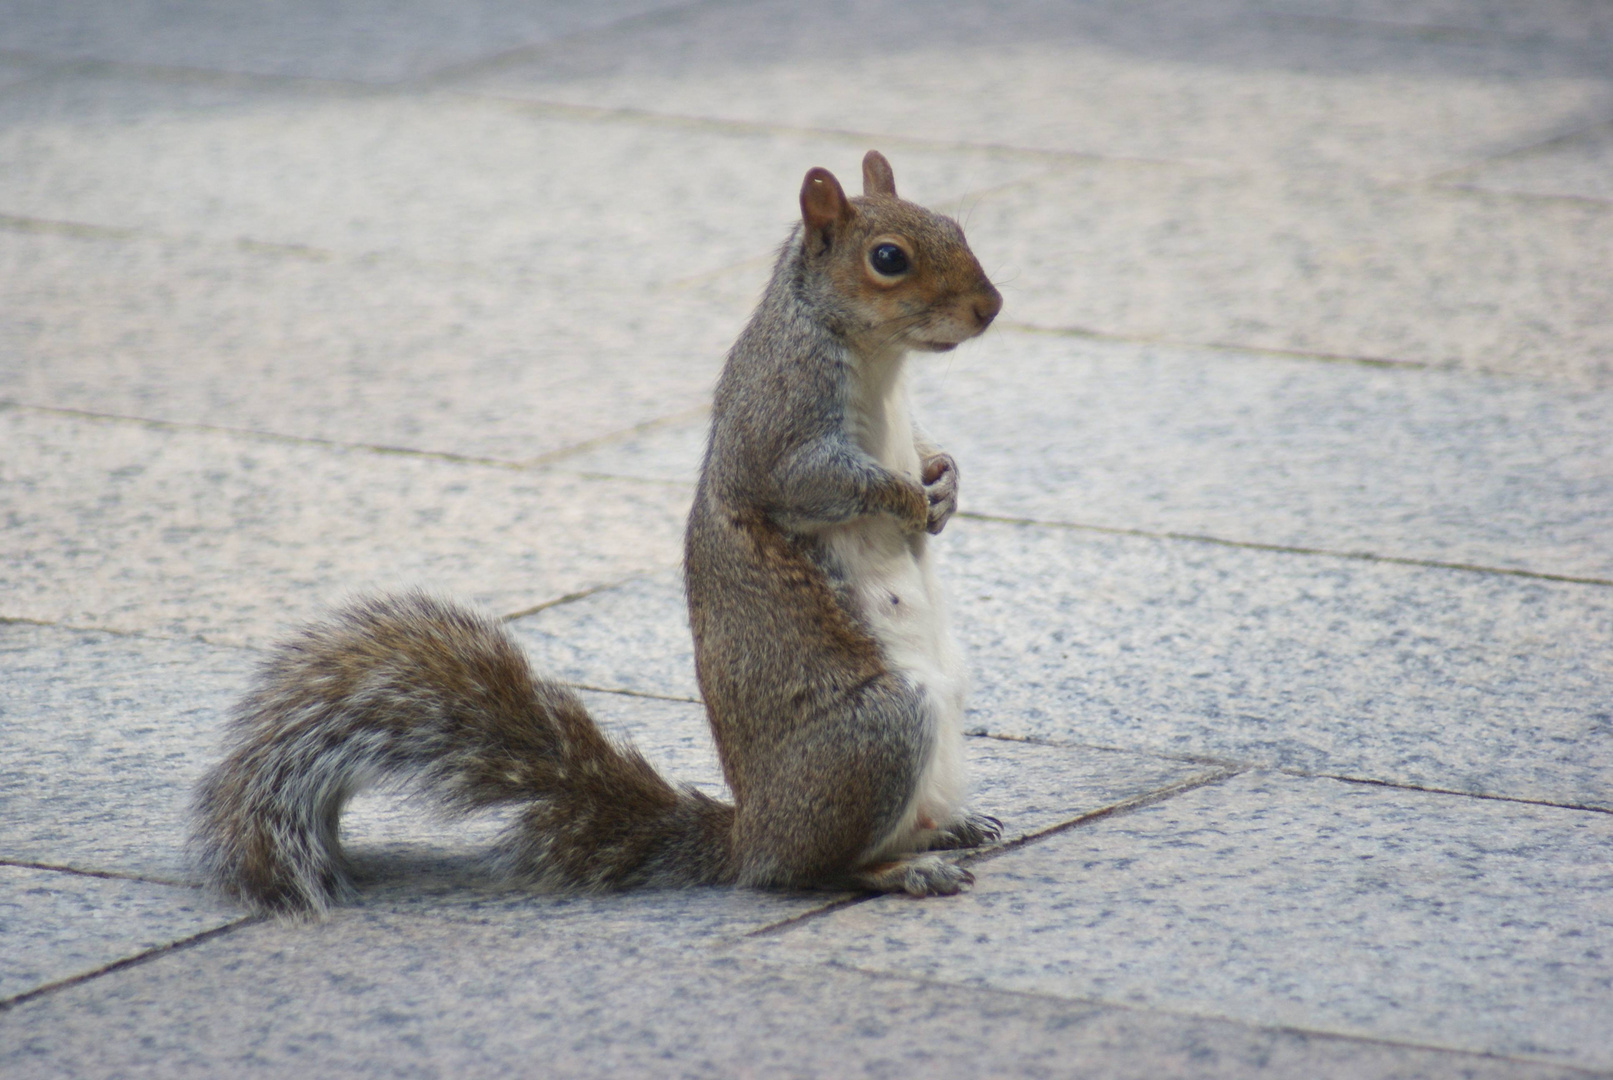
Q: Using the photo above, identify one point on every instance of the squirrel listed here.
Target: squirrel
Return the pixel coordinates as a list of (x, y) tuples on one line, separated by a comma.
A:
[(833, 687)]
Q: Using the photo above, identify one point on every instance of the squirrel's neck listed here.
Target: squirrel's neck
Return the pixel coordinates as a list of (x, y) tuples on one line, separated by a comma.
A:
[(877, 415)]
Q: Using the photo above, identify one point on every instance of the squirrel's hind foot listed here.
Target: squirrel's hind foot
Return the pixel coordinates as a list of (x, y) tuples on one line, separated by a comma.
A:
[(920, 875)]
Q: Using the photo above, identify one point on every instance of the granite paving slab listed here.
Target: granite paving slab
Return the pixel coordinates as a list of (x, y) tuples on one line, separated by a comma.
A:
[(408, 859), (1424, 274), (411, 860), (372, 42), (1477, 682), (372, 994), (1436, 465), (15, 69), (633, 637), (103, 737), (1308, 903), (59, 926), (1433, 465), (669, 451), (1576, 165), (507, 365), (1568, 23), (1251, 84), (1449, 679), (442, 178), (129, 526)]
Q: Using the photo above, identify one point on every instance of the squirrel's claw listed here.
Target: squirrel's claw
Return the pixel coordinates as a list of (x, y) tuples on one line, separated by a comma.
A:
[(941, 490), (970, 830)]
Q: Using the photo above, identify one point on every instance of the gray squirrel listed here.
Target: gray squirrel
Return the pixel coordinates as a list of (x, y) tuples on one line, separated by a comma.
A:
[(833, 687)]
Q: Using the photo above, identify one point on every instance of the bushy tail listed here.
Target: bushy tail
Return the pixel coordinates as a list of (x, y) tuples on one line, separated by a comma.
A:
[(413, 688)]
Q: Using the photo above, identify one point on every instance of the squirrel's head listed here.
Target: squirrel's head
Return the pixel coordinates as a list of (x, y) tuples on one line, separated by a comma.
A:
[(901, 276)]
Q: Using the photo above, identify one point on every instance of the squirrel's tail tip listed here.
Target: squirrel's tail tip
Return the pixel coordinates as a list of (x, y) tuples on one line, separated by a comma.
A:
[(285, 872)]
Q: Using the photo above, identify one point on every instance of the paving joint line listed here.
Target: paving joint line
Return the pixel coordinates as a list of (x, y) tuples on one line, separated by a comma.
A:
[(441, 82), (1117, 809), (1551, 142), (305, 253), (729, 126), (1596, 201), (1399, 785), (1454, 366), (1210, 760), (655, 424), (636, 693), (522, 53), (1288, 549), (318, 442), (68, 67), (127, 962), (1218, 1018), (1395, 28), (580, 594), (200, 638), (1253, 765), (1216, 346), (110, 875)]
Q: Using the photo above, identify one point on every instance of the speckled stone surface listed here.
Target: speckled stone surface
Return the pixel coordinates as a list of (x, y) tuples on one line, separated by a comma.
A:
[(447, 178), (632, 637), (383, 995), (1444, 466), (1313, 85), (103, 737), (352, 40), (304, 302), (59, 926), (1312, 903), (1578, 165), (508, 365), (1436, 465), (1435, 276), (131, 527), (1440, 678), (412, 860)]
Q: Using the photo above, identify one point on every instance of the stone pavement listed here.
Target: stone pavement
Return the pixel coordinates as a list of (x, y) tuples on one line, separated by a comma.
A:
[(1285, 572)]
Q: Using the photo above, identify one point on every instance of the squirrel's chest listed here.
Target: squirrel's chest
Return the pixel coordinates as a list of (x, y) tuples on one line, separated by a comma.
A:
[(880, 421), (887, 572)]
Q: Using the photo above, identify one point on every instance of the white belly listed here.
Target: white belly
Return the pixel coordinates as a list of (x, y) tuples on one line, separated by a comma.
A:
[(894, 583)]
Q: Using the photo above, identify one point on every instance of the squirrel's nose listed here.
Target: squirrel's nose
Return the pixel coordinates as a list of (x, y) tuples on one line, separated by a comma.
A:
[(987, 305)]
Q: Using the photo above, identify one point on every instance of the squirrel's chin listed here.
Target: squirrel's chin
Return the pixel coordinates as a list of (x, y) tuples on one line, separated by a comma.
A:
[(936, 346)]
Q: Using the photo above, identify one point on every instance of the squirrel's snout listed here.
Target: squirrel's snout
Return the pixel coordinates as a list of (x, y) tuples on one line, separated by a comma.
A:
[(987, 306)]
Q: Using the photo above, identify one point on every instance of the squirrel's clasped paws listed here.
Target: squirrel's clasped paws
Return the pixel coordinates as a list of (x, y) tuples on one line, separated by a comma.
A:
[(941, 489)]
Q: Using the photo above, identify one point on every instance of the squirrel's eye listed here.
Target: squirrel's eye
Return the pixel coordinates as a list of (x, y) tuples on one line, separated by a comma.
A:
[(888, 259)]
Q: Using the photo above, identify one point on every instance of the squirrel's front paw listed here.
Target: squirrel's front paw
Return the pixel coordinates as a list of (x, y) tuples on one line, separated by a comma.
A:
[(941, 489)]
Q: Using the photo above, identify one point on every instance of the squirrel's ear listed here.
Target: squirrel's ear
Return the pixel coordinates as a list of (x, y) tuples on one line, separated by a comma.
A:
[(824, 206), (877, 176)]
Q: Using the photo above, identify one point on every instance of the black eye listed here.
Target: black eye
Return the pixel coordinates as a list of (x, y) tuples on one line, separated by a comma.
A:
[(888, 259)]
